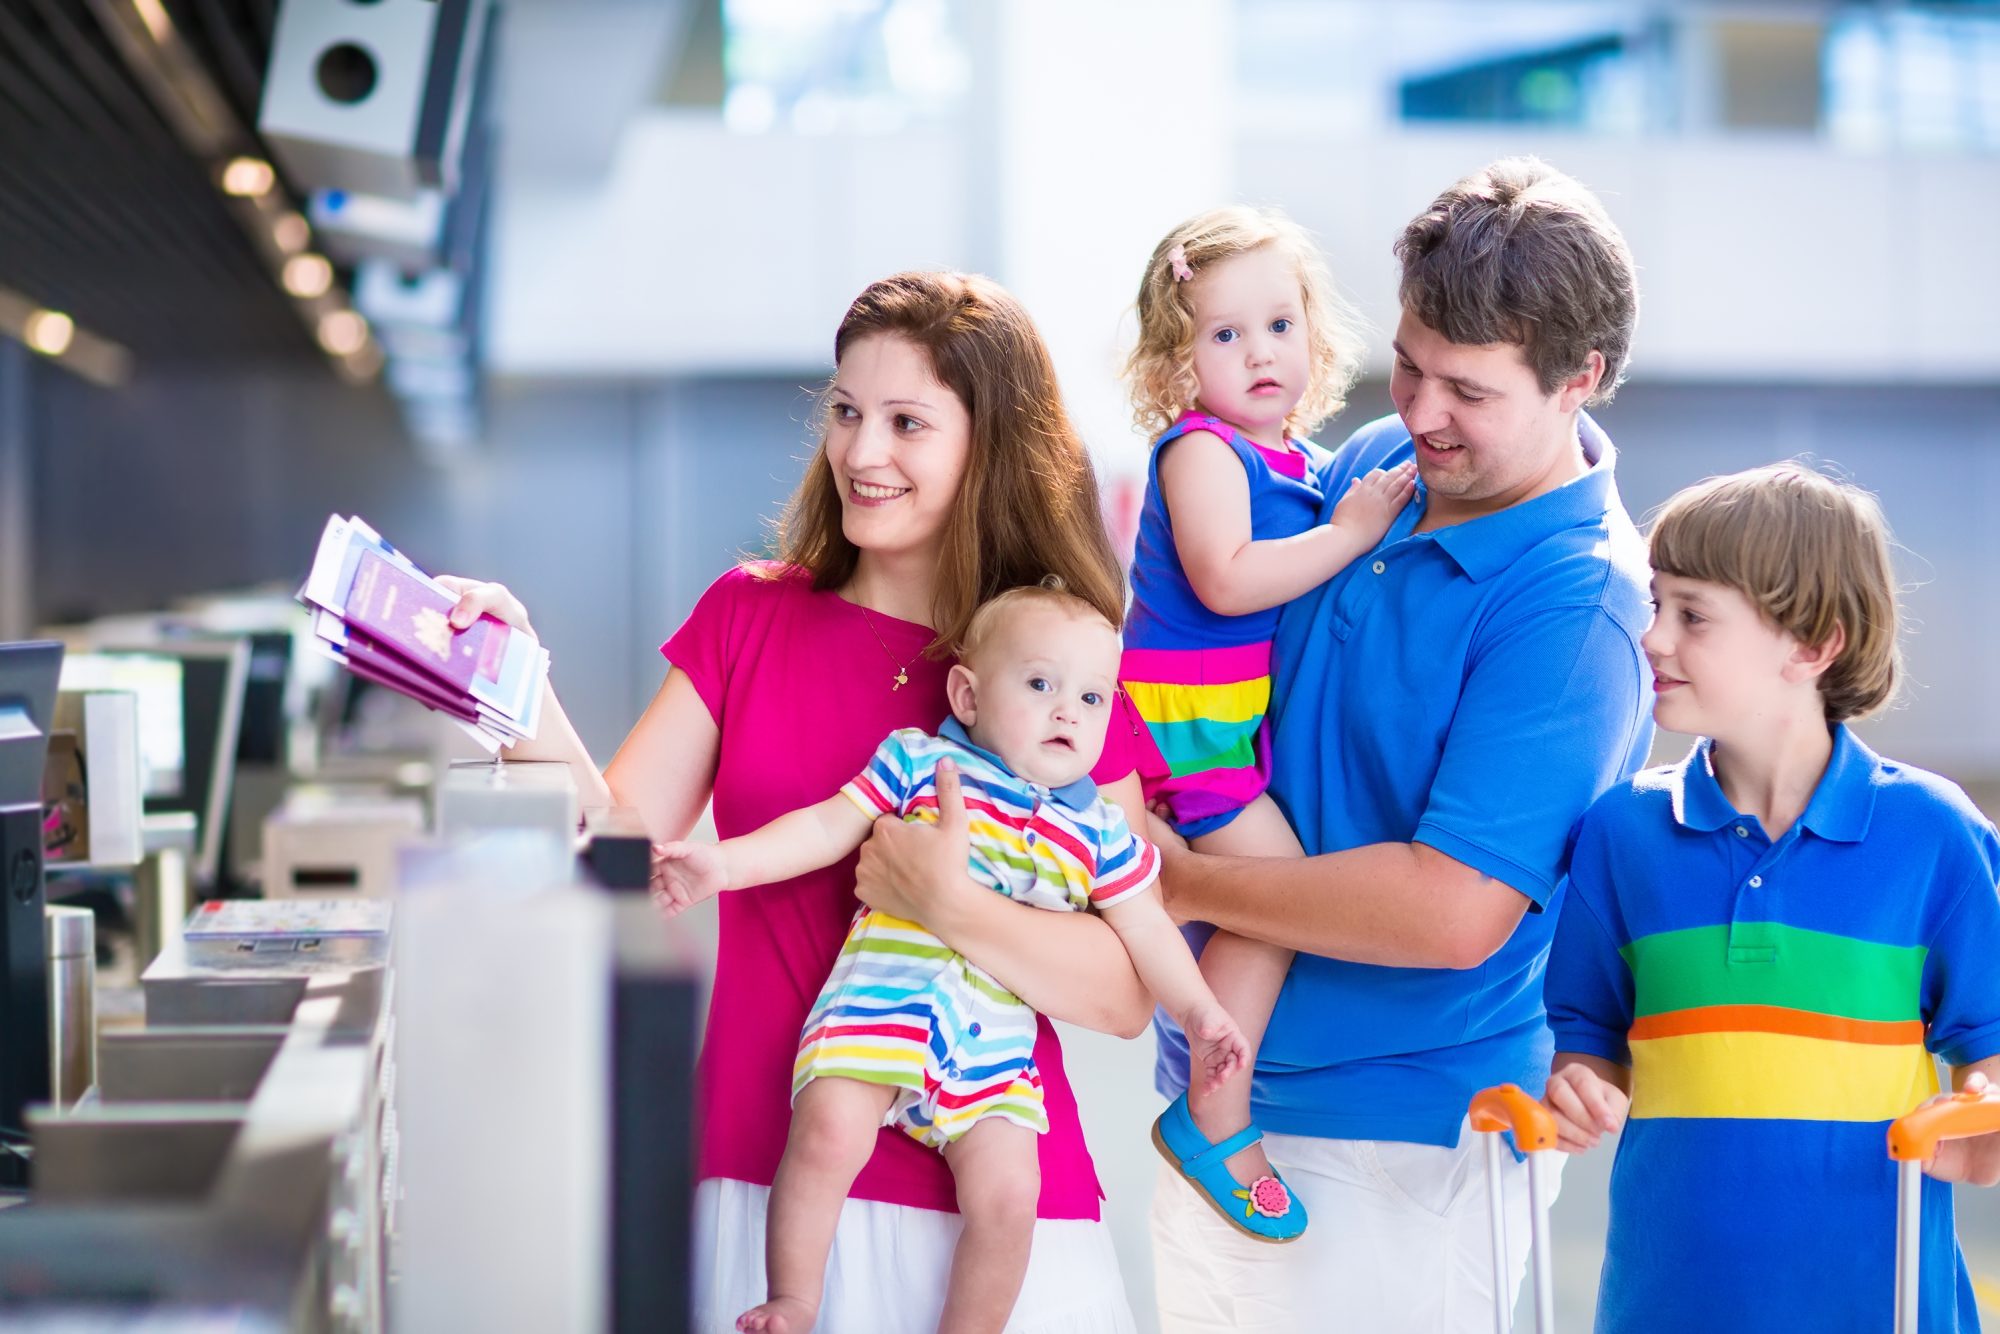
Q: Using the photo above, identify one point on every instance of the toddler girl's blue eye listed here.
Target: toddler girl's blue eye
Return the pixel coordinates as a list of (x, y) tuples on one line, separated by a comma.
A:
[(1225, 335), (1092, 698), (1281, 326), (1039, 684)]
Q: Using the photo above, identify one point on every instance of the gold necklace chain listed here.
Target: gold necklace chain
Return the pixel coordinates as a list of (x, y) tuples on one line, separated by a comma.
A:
[(902, 675)]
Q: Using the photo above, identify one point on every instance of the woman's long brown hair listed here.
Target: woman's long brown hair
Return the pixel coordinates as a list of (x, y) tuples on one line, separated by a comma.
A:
[(1027, 506)]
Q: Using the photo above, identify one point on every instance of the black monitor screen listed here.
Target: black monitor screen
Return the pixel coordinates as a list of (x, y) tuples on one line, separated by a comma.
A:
[(261, 740), (213, 673), (28, 676)]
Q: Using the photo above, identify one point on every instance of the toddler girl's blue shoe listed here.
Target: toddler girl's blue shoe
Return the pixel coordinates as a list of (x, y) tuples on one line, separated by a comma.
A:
[(1265, 1209)]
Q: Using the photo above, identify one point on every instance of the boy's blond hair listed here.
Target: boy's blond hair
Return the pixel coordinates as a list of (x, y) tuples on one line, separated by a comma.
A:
[(1811, 553), (992, 614), (1160, 370)]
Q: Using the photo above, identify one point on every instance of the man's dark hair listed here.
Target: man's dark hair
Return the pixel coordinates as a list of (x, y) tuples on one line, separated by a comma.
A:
[(1520, 253)]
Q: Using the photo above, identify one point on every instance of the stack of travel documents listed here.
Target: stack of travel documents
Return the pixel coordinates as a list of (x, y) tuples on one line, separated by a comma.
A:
[(388, 622)]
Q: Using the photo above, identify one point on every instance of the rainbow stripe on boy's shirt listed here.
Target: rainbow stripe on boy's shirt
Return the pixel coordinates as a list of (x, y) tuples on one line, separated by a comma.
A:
[(1778, 1003)]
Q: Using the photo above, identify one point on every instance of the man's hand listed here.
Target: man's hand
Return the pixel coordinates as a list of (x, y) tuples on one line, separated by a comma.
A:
[(1216, 1046), (686, 873), (907, 870), (1974, 1161), (1586, 1105)]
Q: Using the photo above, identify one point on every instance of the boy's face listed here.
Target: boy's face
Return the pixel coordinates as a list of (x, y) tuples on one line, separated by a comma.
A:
[(1039, 693), (1719, 668)]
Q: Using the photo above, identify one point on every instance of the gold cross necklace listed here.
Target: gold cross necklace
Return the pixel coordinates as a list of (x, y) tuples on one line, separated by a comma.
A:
[(902, 675)]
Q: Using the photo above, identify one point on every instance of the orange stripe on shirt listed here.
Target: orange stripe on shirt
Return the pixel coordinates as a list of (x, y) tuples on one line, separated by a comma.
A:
[(1777, 1019)]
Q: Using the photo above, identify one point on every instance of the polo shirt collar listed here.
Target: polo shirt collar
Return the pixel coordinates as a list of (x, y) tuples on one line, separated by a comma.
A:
[(1485, 546), (1078, 796), (1839, 810)]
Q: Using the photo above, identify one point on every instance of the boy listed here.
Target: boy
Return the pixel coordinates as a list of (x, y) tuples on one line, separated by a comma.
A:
[(1766, 944)]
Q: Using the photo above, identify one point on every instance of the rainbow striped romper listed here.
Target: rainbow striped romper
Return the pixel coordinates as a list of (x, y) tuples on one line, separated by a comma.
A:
[(900, 1008), (1198, 682)]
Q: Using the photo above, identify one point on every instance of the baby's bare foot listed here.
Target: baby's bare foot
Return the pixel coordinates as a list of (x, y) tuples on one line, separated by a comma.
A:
[(780, 1315)]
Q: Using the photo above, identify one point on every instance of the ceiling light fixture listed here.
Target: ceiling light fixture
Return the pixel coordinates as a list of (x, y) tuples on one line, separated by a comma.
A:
[(248, 178), (49, 332), (308, 275), (342, 332)]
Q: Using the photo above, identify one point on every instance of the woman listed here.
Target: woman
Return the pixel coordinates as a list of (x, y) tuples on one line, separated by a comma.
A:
[(947, 471)]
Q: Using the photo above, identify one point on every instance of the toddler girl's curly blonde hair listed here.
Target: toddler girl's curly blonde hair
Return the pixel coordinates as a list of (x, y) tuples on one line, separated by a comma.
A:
[(1160, 370)]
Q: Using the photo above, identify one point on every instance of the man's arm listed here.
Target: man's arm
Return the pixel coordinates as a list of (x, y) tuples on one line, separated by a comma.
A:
[(1405, 905)]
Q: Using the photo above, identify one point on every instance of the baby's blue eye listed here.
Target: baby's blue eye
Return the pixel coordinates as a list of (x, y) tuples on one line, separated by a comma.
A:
[(1092, 698), (1225, 335), (1039, 684), (1280, 326)]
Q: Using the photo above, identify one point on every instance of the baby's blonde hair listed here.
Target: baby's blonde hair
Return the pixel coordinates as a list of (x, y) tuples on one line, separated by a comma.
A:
[(1160, 370), (993, 613)]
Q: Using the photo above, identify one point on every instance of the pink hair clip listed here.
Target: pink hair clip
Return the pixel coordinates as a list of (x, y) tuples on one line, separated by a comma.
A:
[(1177, 261)]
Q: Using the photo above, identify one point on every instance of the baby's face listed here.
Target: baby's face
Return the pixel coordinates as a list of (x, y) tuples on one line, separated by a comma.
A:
[(1043, 685)]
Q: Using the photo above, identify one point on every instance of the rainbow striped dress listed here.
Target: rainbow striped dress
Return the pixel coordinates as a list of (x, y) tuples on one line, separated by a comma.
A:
[(1198, 683), (900, 1007)]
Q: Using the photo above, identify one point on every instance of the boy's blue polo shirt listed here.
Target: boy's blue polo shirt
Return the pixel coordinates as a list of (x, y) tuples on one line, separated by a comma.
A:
[(1472, 689), (1779, 1003)]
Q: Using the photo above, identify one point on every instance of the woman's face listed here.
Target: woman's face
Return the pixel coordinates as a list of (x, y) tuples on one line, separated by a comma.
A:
[(898, 442)]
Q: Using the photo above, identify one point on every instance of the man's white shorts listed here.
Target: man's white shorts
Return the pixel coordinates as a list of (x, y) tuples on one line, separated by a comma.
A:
[(1398, 1242)]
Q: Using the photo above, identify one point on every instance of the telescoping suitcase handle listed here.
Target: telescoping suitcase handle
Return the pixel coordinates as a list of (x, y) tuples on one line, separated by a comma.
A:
[(1913, 1139), (1508, 1108)]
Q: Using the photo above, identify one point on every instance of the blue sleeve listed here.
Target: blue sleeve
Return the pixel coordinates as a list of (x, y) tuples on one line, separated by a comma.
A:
[(1962, 969), (1588, 990), (1548, 719)]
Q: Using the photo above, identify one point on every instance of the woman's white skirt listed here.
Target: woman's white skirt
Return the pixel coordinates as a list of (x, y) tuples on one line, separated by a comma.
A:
[(889, 1265)]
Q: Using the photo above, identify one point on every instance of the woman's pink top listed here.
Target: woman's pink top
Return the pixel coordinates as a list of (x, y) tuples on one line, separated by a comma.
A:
[(801, 690)]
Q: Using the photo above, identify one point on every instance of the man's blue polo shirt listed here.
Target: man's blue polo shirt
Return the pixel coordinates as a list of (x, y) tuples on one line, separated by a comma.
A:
[(1472, 689), (1778, 1002)]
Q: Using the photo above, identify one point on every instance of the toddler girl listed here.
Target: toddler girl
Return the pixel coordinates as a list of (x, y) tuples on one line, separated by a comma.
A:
[(1243, 345), (908, 1033)]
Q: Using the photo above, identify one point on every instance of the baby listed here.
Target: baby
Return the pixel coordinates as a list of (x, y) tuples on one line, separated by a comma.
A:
[(910, 1034)]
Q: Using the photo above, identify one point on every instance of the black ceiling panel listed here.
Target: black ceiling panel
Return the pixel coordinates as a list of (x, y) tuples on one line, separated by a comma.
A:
[(105, 216)]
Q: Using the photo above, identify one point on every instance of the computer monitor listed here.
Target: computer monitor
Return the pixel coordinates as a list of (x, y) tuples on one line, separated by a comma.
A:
[(28, 675), (213, 675), (156, 679)]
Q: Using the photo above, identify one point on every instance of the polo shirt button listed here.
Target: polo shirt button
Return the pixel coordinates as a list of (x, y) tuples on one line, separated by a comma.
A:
[(974, 1030), (1379, 566), (1741, 832), (1756, 882), (1030, 839)]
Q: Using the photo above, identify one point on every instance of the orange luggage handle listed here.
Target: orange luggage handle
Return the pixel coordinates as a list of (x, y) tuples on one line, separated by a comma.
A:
[(1506, 1107), (1914, 1138)]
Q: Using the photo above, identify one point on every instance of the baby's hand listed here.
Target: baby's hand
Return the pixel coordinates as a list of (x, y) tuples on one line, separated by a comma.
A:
[(686, 873), (1373, 502), (1216, 1046), (1586, 1106)]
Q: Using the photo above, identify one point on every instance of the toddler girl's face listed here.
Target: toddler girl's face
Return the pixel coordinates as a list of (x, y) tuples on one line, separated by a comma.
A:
[(1041, 692), (1252, 351)]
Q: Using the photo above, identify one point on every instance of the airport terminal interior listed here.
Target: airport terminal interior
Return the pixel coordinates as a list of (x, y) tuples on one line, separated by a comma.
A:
[(319, 1013)]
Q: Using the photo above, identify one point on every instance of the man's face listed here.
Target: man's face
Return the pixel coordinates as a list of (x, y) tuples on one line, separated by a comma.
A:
[(1486, 435)]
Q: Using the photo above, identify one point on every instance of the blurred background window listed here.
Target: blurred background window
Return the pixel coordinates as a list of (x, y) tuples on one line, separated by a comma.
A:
[(820, 66)]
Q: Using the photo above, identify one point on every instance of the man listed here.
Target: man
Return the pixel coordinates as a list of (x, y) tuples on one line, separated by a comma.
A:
[(1445, 709)]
